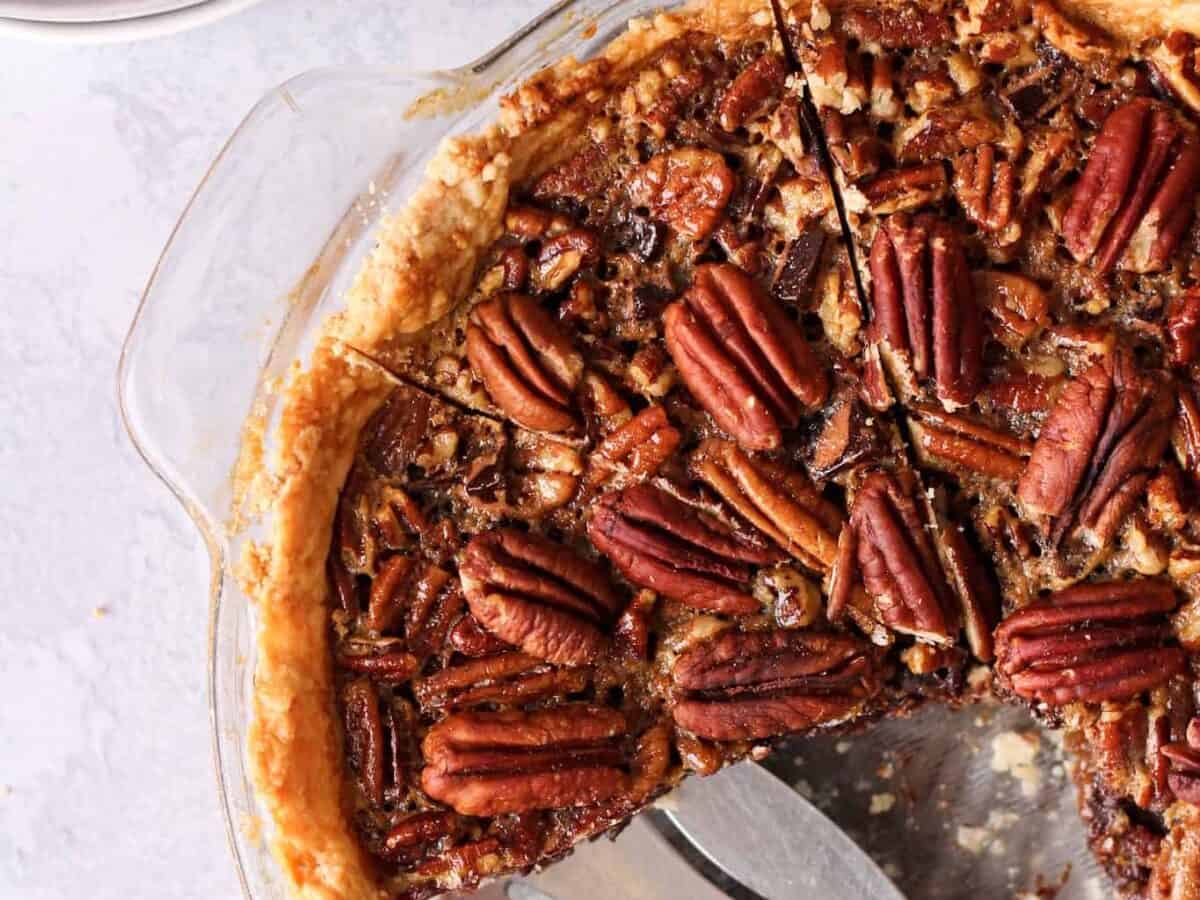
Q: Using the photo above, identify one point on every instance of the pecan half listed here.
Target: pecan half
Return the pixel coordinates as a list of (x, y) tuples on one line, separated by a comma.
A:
[(753, 92), (888, 544), (511, 677), (1183, 759), (539, 596), (526, 363), (986, 189), (926, 320), (1135, 198), (778, 500), (365, 737), (1092, 642), (1097, 448), (958, 444), (750, 685), (742, 357), (660, 542), (489, 763), (687, 188)]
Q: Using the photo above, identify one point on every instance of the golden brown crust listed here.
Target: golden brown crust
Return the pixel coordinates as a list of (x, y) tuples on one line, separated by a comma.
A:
[(423, 263), (295, 748), (1137, 20)]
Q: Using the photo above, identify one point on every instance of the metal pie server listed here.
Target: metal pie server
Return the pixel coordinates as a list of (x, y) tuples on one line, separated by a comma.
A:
[(750, 826), (771, 840)]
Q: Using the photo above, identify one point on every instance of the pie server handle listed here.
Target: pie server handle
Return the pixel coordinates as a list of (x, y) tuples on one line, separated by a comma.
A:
[(768, 838)]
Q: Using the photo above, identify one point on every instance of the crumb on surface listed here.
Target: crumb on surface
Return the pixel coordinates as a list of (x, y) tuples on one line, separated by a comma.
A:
[(882, 803), (1015, 752), (971, 838)]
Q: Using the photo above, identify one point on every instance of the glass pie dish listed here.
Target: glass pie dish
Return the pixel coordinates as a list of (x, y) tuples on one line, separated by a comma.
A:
[(264, 252)]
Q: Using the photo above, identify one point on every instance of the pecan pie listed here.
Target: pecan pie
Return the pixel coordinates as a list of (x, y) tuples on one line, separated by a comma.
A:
[(775, 371)]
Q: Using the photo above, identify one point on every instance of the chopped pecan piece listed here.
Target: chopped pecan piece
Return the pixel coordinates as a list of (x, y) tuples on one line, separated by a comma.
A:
[(1183, 328), (986, 189), (1185, 432), (409, 840), (525, 478), (742, 357), (687, 188), (834, 75), (633, 451), (526, 363), (660, 542), (956, 443), (798, 266), (795, 599), (945, 131), (902, 190), (751, 685), (489, 763), (1176, 63), (1097, 448), (1017, 309), (563, 255), (1093, 642), (846, 438), (1135, 198), (1016, 389), (1183, 758), (753, 92), (422, 597), (469, 638), (778, 500), (506, 678), (926, 320), (539, 596), (887, 542)]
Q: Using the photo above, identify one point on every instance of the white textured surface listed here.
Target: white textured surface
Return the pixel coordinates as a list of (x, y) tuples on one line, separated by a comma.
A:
[(106, 784)]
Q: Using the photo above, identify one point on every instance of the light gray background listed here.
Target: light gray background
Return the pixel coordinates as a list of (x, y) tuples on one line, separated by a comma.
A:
[(106, 784)]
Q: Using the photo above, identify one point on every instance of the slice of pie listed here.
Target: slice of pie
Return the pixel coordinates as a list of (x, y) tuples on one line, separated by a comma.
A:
[(755, 378)]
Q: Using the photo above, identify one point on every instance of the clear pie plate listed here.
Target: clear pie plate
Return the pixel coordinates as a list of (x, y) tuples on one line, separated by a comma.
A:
[(952, 804), (103, 21)]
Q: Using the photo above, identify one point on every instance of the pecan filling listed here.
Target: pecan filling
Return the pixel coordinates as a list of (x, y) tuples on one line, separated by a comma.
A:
[(669, 485)]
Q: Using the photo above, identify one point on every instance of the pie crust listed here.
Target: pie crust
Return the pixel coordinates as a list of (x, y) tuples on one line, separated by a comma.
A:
[(426, 261)]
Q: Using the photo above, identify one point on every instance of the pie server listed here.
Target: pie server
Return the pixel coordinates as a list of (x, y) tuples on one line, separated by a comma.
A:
[(751, 826)]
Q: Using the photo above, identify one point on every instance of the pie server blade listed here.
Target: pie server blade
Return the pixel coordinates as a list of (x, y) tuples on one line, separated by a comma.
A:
[(743, 823), (771, 840)]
